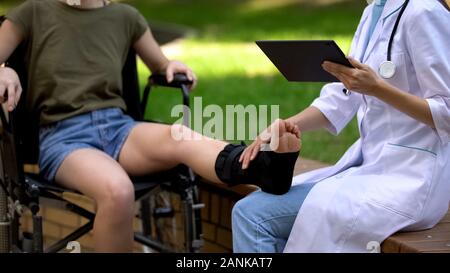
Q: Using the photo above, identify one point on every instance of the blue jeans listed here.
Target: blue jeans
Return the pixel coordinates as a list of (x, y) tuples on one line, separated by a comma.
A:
[(262, 222)]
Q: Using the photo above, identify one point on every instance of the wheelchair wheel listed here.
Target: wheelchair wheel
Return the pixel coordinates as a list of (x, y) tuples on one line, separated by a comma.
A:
[(175, 220), (164, 213), (5, 224)]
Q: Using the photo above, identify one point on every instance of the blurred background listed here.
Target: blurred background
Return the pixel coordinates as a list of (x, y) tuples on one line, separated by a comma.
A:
[(216, 38)]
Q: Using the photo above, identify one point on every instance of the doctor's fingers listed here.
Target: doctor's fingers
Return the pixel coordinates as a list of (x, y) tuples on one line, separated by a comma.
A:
[(361, 81), (246, 151), (340, 77), (356, 63), (247, 154), (241, 158), (250, 153), (345, 79), (338, 68), (349, 73), (264, 137), (361, 69), (346, 82)]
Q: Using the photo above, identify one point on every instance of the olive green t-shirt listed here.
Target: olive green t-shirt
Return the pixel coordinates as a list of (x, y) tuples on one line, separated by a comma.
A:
[(75, 56)]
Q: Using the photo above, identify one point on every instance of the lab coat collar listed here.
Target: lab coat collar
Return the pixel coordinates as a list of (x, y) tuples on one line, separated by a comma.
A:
[(391, 7)]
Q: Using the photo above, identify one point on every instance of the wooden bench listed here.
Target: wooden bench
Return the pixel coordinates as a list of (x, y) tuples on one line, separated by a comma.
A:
[(436, 239)]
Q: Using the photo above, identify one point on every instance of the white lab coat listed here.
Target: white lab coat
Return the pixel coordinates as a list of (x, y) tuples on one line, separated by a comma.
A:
[(397, 175)]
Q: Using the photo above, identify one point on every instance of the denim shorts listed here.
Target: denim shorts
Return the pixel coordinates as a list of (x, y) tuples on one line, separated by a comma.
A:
[(105, 130)]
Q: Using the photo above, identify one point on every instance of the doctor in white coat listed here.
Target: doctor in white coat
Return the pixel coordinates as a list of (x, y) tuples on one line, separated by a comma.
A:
[(397, 175)]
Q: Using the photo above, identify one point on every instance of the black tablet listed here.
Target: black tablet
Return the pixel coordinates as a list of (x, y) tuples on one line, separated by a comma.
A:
[(301, 61)]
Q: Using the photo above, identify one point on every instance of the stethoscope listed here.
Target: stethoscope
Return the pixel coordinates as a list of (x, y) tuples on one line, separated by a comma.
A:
[(388, 68)]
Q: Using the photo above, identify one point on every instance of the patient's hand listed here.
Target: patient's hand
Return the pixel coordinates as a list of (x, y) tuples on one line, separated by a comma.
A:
[(10, 88), (282, 135), (175, 67)]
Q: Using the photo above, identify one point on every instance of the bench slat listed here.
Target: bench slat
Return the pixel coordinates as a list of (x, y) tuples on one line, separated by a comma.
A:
[(413, 247), (436, 239)]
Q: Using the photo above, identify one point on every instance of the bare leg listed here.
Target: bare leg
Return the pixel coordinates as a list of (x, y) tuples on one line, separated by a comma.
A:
[(98, 176), (151, 148)]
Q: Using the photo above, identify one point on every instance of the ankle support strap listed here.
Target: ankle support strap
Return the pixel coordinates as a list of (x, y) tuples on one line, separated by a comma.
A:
[(225, 161), (271, 171)]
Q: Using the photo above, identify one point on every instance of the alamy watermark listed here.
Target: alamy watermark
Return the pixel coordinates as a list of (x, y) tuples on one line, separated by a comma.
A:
[(230, 123), (74, 247), (373, 247)]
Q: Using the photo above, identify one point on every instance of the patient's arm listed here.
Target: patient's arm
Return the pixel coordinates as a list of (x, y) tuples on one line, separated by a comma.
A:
[(148, 49), (150, 52), (10, 37)]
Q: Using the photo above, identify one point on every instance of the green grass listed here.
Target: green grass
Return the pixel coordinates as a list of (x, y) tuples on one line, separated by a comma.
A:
[(232, 70)]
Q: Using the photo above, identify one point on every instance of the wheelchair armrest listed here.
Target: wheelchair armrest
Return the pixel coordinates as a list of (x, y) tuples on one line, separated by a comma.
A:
[(178, 81), (159, 79)]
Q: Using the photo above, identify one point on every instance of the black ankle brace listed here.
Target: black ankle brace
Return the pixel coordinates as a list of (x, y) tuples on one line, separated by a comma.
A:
[(271, 171)]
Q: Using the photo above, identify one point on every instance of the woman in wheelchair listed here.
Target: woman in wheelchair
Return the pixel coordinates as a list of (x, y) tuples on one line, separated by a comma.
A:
[(87, 142)]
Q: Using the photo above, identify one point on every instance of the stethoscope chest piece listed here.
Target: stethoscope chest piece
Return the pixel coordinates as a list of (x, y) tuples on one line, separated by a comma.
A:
[(387, 70)]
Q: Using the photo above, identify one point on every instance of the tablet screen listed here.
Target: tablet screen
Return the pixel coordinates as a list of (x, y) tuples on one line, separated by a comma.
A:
[(301, 60)]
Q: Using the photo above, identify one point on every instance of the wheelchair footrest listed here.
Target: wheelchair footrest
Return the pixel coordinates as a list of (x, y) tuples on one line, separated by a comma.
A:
[(198, 206), (163, 212)]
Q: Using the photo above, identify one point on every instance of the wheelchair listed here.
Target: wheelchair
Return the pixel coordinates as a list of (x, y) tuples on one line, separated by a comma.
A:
[(21, 190)]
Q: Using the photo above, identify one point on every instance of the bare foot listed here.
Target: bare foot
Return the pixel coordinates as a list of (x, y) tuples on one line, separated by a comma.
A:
[(284, 136), (288, 143)]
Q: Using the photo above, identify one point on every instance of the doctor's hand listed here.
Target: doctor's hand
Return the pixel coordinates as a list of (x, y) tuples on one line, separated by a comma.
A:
[(10, 88), (174, 67), (362, 78), (277, 129)]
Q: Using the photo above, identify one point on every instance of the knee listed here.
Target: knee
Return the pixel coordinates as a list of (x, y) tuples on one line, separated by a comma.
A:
[(118, 196), (245, 210), (182, 135), (177, 135), (181, 138)]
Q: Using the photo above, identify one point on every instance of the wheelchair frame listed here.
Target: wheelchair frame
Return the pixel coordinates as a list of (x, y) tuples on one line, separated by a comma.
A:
[(20, 190)]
